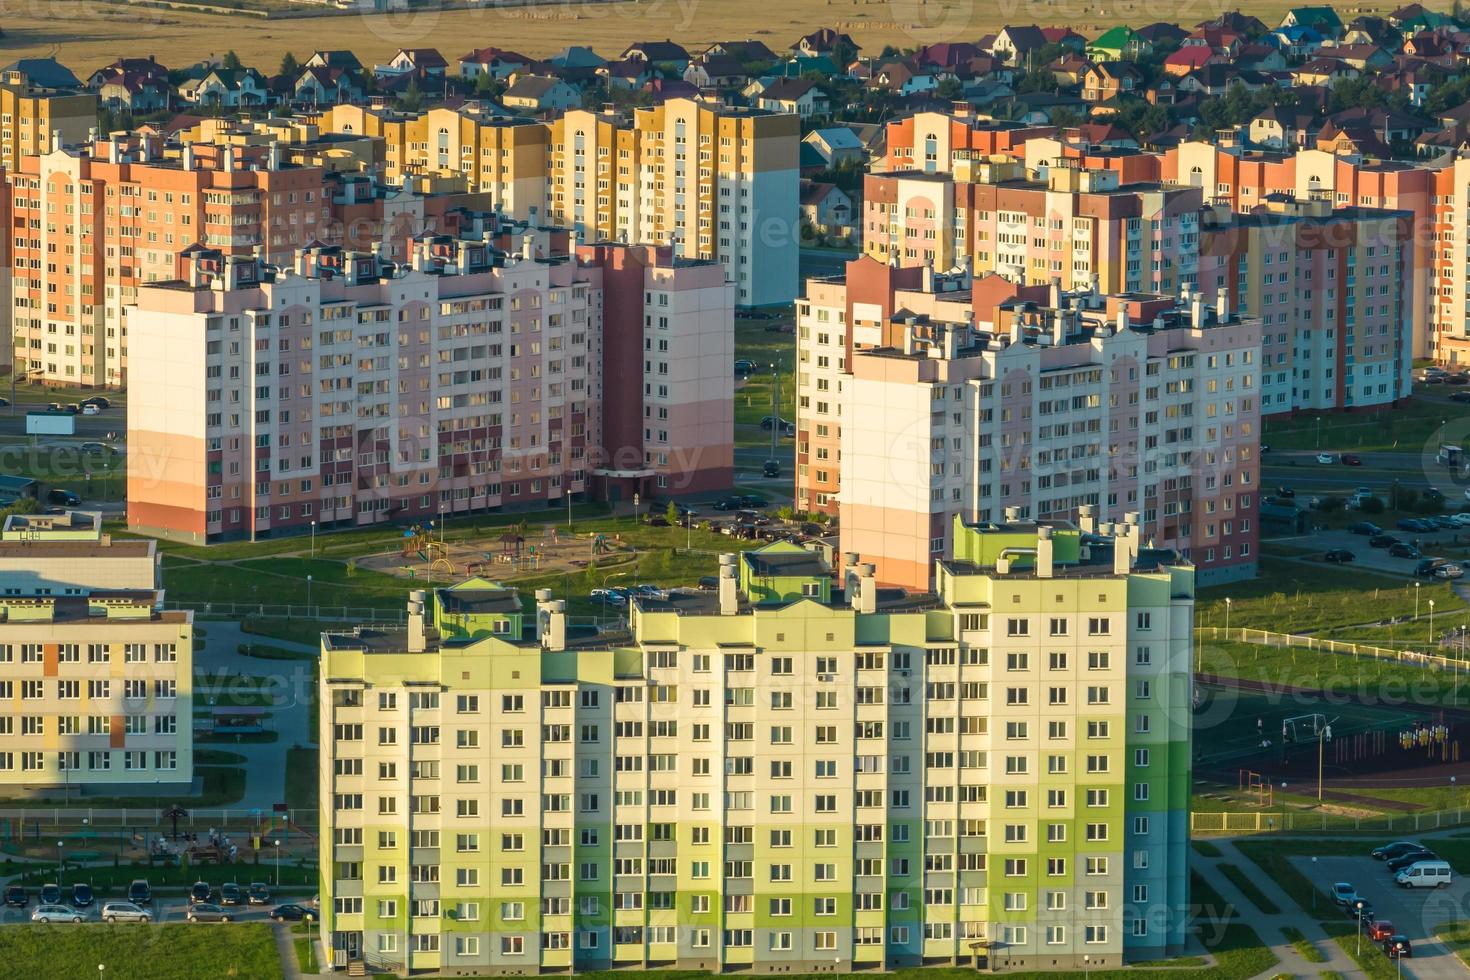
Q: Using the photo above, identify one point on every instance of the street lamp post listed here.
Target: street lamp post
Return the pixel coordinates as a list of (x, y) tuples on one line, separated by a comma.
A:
[(1228, 603), (1416, 600), (60, 863), (313, 539), (308, 594), (1314, 887), (1431, 620), (278, 862)]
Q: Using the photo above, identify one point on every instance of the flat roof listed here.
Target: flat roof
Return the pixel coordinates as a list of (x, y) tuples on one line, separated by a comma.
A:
[(42, 547)]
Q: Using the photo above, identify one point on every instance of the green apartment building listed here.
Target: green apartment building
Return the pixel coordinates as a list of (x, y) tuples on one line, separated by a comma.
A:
[(785, 774)]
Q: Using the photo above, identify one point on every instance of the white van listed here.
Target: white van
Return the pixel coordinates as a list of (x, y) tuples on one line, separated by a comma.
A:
[(1425, 874)]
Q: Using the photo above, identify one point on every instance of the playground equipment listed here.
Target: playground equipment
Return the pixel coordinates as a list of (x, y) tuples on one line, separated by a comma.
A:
[(418, 542), (1250, 782), (601, 545)]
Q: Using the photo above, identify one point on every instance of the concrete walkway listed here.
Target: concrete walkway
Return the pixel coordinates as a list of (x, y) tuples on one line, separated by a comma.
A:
[(1268, 925), (286, 947), (265, 762)]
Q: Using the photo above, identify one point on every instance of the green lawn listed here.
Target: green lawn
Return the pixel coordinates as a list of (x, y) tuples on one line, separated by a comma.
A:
[(1305, 949), (1290, 596), (1332, 673), (1405, 428), (1369, 957), (301, 778), (1456, 935), (1249, 889), (139, 952)]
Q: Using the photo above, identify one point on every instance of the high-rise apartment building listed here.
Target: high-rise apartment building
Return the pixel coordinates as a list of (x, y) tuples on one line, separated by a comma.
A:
[(342, 390), (712, 181), (42, 107), (1331, 287), (1063, 222), (924, 397), (93, 224), (775, 776), (96, 695)]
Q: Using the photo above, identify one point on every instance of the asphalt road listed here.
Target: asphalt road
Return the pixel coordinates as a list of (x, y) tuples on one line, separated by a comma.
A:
[(824, 262), (1415, 912), (1377, 559)]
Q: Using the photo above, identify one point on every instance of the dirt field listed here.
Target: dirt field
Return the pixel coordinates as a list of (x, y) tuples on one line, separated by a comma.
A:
[(85, 34)]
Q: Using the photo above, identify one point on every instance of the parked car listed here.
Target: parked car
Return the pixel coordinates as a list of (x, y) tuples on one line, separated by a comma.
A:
[(125, 912), (140, 892), (1361, 910), (231, 893), (200, 892), (1339, 556), (1460, 396), (1343, 893), (771, 468), (768, 421), (727, 503), (1402, 550), (1326, 459), (259, 893), (1365, 527), (1397, 945), (16, 896), (98, 400), (1449, 571), (1426, 567), (91, 410), (1393, 850), (1409, 858), (1462, 519), (71, 409), (208, 912), (63, 498), (750, 500), (50, 894), (1413, 524), (1456, 379), (1379, 930), (1442, 522), (1382, 541), (55, 913), (743, 367), (81, 895), (291, 912), (1351, 459)]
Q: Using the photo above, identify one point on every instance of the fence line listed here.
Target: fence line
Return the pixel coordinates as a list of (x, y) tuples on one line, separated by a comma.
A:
[(1287, 821), (132, 818), (1271, 639)]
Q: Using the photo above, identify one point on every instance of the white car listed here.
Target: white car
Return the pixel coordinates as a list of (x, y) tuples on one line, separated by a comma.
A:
[(55, 913), (1462, 519), (91, 410), (1326, 458), (124, 912)]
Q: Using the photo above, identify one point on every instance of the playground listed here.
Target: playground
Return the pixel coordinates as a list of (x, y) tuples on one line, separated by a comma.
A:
[(506, 554), (1255, 742)]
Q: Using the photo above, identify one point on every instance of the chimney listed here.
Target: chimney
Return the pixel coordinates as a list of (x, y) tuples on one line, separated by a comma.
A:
[(1016, 327), (1054, 295), (1087, 518), (551, 621), (1058, 328), (1222, 306), (952, 341), (1043, 552), (849, 575), (274, 157), (729, 597), (227, 155), (1125, 543), (418, 638), (1196, 309), (928, 277), (867, 589), (528, 248)]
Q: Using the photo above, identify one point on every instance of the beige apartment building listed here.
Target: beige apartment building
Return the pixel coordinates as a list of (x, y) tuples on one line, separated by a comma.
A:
[(34, 118), (713, 182), (97, 680)]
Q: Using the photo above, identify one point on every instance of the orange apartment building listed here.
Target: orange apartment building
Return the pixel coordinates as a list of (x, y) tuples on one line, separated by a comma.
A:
[(92, 224)]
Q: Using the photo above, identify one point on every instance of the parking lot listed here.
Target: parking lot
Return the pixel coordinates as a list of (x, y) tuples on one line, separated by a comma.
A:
[(1416, 913), (169, 909), (1377, 559)]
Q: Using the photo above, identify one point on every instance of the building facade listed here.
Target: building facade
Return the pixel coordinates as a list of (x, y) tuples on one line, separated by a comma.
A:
[(711, 181), (1060, 221), (924, 397), (37, 119), (93, 224), (778, 776), (97, 692), (344, 391)]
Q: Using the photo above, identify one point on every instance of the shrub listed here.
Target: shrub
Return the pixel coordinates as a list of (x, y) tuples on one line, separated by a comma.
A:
[(1371, 505)]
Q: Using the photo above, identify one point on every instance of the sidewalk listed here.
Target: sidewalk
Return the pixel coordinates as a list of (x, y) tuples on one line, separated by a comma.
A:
[(1267, 925)]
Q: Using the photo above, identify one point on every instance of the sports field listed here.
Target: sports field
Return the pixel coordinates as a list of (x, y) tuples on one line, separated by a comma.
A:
[(86, 34)]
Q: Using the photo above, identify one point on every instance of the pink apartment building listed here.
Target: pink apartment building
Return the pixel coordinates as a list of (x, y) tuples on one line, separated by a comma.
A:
[(344, 390), (977, 397)]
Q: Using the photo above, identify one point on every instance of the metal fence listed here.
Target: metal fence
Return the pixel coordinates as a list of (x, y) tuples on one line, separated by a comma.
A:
[(345, 614), (1341, 647), (1278, 821), (103, 819)]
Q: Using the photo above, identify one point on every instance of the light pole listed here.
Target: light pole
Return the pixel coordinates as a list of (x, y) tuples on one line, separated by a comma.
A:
[(60, 863), (1314, 887), (308, 593), (1431, 620), (637, 501), (1358, 908), (1228, 603), (313, 539), (278, 862), (1416, 600)]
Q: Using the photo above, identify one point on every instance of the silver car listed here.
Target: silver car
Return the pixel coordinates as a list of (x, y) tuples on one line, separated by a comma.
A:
[(124, 912), (56, 913)]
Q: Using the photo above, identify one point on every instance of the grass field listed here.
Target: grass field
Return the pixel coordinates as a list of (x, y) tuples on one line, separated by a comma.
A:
[(138, 952), (85, 33)]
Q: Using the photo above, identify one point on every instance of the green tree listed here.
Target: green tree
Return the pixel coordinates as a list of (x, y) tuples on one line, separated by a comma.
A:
[(232, 61), (290, 67), (950, 89), (672, 513)]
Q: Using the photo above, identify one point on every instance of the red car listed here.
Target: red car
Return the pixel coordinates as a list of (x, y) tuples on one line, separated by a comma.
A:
[(1380, 930), (1348, 459)]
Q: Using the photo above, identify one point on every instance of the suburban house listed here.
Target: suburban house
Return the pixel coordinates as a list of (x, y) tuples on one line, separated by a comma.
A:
[(540, 93), (827, 210)]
